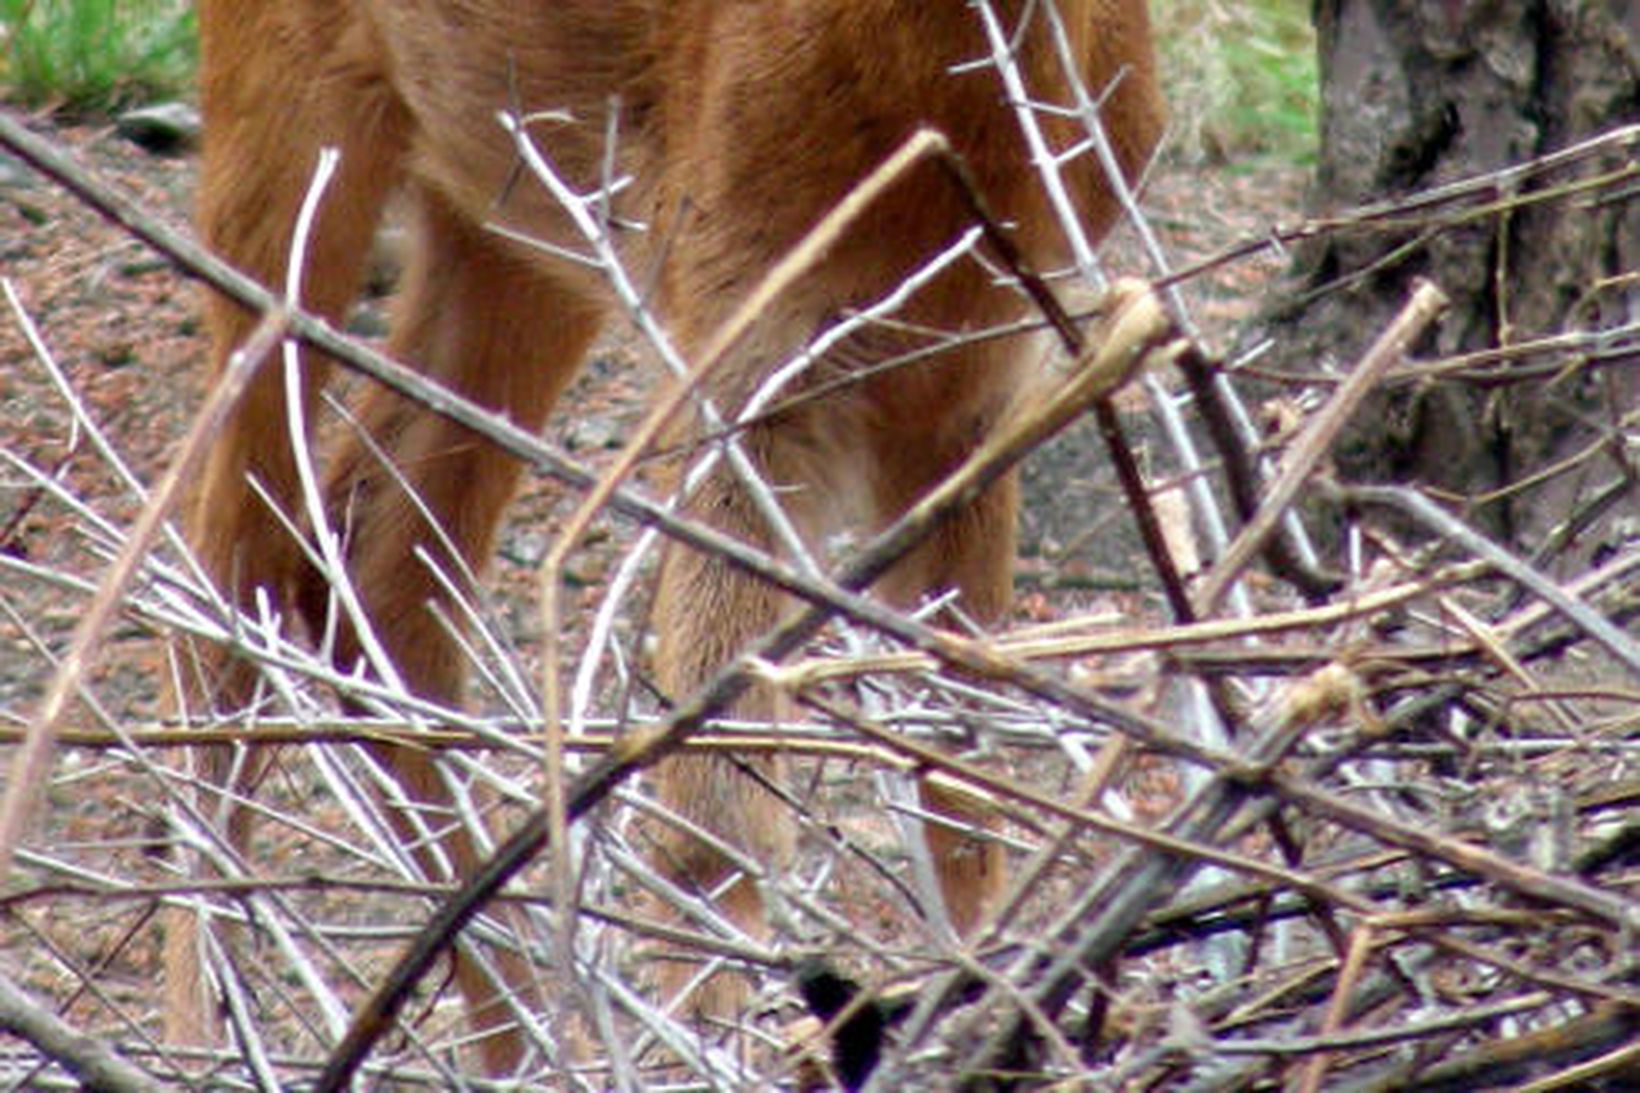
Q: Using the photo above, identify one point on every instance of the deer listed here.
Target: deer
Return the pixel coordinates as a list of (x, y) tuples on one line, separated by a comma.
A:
[(740, 125)]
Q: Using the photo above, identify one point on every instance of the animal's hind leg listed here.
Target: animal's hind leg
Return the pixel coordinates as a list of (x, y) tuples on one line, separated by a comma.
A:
[(269, 106), (972, 552), (477, 317), (484, 321), (706, 614)]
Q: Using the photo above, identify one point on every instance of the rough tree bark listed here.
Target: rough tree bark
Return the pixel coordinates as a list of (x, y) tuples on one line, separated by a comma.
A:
[(1416, 93)]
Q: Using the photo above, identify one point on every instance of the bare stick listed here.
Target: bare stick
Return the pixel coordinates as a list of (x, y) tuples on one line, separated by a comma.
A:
[(1362, 943), (1615, 641), (1427, 302), (92, 1062)]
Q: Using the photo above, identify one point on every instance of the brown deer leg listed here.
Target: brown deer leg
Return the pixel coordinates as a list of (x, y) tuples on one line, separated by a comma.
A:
[(492, 328), (973, 552), (706, 613), (268, 118)]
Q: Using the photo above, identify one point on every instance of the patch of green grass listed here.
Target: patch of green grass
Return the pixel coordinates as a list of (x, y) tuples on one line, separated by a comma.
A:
[(94, 56), (1240, 77)]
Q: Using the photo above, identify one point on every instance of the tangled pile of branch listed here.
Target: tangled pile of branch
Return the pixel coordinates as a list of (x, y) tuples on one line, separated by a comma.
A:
[(1370, 826)]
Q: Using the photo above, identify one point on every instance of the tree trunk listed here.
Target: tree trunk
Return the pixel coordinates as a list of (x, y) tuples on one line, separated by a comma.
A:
[(1418, 93)]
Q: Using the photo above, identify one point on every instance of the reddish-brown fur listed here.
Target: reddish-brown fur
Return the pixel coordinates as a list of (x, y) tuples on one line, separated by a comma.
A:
[(742, 122)]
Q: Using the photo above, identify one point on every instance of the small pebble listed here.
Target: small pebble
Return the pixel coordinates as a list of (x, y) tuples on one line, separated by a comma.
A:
[(165, 128)]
